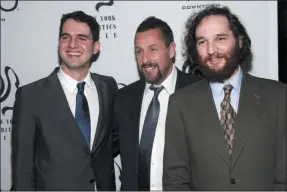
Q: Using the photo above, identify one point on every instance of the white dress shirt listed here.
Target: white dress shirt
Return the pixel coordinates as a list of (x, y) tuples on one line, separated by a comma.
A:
[(70, 89), (156, 167)]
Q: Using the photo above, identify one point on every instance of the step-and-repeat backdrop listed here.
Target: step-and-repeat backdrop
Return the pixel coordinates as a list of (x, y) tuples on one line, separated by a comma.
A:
[(29, 37)]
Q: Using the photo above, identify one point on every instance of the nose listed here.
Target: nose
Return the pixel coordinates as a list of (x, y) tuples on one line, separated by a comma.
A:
[(145, 57), (142, 57), (211, 48), (73, 43)]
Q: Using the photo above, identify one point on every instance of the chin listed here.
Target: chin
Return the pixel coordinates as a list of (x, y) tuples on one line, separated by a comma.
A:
[(77, 65), (151, 80), (216, 68)]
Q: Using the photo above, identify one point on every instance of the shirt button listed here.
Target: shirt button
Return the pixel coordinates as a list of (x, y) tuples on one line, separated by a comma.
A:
[(232, 181)]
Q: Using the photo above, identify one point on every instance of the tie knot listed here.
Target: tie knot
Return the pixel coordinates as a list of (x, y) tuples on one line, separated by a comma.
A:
[(81, 87), (156, 89), (227, 89)]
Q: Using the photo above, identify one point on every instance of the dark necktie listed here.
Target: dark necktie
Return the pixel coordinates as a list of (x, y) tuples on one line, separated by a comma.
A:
[(82, 113), (147, 138), (228, 118)]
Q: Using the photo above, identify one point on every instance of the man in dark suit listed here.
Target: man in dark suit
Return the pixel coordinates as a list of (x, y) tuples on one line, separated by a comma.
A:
[(141, 106), (63, 124), (227, 131)]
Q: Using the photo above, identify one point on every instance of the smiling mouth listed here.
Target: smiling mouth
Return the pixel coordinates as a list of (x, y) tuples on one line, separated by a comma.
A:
[(148, 66), (73, 53), (215, 60)]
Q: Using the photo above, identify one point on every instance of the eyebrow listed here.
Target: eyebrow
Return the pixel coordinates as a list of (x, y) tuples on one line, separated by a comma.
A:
[(152, 45), (222, 35), (217, 35), (80, 35)]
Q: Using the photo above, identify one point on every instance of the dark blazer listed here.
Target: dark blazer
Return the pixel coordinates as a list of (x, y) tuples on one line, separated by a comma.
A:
[(48, 149), (196, 155), (127, 108)]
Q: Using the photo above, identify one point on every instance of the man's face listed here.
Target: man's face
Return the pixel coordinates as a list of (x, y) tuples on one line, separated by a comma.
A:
[(76, 46), (153, 57), (217, 48)]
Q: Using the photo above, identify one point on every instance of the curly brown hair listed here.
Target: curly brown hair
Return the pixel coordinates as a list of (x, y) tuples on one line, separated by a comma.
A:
[(190, 53)]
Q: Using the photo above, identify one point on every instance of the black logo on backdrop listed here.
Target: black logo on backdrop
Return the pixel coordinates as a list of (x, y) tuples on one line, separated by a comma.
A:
[(100, 4), (107, 22), (10, 9), (5, 94), (197, 6)]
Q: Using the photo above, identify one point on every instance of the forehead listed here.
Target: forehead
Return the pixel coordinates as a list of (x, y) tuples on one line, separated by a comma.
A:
[(150, 37), (74, 27), (212, 25)]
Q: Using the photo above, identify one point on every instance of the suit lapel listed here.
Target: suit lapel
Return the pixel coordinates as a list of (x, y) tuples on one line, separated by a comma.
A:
[(135, 106), (60, 105), (248, 112), (212, 128), (135, 111), (101, 89)]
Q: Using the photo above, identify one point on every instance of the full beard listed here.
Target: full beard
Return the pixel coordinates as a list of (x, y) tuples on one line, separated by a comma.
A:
[(150, 78), (229, 68)]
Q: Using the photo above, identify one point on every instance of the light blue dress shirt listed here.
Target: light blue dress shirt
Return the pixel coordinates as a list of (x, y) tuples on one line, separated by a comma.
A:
[(218, 92)]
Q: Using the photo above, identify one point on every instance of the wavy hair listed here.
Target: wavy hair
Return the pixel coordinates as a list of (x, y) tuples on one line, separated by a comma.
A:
[(190, 53)]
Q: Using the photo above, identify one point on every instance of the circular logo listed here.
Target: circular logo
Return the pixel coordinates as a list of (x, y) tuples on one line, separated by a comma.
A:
[(10, 9)]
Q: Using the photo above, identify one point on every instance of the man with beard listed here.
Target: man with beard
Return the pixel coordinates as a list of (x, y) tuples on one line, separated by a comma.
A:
[(141, 106), (227, 131), (62, 124)]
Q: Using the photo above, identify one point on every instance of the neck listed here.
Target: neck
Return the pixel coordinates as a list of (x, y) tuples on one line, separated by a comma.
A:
[(78, 74)]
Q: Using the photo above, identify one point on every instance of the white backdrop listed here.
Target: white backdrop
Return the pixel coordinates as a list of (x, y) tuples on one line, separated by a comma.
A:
[(29, 36)]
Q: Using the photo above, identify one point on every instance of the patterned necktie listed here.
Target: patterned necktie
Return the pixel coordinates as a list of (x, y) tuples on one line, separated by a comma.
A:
[(228, 118), (147, 139), (82, 113)]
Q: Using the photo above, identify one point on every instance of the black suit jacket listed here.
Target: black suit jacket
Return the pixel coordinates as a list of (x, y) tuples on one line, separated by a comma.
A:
[(127, 108), (196, 155), (48, 149)]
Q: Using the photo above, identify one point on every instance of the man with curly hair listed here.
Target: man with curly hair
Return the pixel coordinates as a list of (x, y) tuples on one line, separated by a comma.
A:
[(228, 130)]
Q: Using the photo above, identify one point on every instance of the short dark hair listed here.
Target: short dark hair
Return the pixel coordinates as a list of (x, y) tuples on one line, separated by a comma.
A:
[(190, 52), (155, 23), (82, 17)]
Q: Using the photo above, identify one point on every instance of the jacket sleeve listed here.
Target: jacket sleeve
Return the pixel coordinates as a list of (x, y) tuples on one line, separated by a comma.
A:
[(23, 147), (175, 161), (280, 179)]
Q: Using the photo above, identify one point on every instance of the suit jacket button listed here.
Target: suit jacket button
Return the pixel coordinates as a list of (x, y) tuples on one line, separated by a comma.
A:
[(92, 181), (232, 181)]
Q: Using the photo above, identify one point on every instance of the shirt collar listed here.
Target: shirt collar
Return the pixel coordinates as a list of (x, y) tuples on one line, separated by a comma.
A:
[(168, 83), (217, 88), (71, 84)]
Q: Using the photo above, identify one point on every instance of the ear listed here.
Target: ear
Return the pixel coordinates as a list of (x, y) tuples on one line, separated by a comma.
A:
[(97, 46), (171, 49), (240, 40)]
